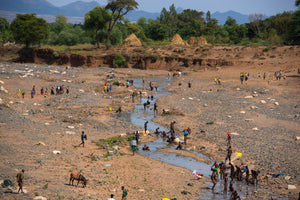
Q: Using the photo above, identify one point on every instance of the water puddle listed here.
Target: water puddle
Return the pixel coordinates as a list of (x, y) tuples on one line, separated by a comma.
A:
[(139, 116)]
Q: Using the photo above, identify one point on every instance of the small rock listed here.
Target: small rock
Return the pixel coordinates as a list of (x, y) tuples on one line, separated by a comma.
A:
[(39, 198), (71, 127), (242, 112), (106, 165), (291, 187), (255, 129), (262, 101), (253, 107), (205, 105), (238, 89), (56, 152), (248, 97), (276, 103), (70, 132), (287, 178), (297, 138), (81, 90), (47, 124)]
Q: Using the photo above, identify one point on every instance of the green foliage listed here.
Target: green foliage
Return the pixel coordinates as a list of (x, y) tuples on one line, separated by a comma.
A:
[(4, 25), (119, 61), (28, 29), (45, 186), (95, 20), (55, 54), (118, 9)]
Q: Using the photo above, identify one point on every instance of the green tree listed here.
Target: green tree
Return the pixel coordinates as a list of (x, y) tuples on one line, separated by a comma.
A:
[(28, 29), (95, 20), (294, 29), (118, 8), (3, 24), (59, 24), (5, 33)]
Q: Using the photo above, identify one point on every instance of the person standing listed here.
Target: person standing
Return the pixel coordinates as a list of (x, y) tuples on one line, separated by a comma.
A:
[(124, 193), (189, 84), (137, 136), (145, 126), (155, 108), (111, 197), (229, 152), (133, 145), (186, 133), (20, 177), (213, 178), (83, 137), (225, 184), (228, 138)]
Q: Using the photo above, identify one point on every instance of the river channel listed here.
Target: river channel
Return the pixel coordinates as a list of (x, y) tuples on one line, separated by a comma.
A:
[(139, 116)]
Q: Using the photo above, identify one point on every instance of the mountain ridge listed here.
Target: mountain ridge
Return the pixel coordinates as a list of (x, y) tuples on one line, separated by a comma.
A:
[(79, 8)]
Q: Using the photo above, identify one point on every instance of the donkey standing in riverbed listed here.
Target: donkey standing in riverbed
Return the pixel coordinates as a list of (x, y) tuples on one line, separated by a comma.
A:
[(77, 176)]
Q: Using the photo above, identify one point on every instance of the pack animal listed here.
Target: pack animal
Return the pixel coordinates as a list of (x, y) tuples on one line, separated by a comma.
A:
[(77, 176)]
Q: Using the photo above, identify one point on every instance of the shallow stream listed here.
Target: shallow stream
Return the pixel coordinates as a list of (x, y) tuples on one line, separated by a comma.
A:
[(139, 116)]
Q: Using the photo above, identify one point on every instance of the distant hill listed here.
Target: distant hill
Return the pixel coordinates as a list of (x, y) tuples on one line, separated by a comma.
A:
[(28, 6), (222, 17), (79, 8), (135, 15)]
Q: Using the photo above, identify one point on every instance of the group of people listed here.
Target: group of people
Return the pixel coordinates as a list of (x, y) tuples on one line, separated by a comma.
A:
[(236, 172), (244, 76), (44, 91), (217, 81)]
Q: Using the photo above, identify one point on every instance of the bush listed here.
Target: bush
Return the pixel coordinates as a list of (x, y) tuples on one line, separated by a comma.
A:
[(119, 61)]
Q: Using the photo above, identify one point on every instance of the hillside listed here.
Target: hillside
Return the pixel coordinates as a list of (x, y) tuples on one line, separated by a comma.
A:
[(8, 10)]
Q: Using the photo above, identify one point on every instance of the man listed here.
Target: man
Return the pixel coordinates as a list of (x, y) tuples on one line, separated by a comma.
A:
[(111, 197), (83, 136), (229, 152), (228, 138), (124, 193), (20, 177)]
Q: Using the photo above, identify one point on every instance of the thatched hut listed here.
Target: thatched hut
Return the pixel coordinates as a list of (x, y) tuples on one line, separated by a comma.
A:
[(131, 40), (177, 40)]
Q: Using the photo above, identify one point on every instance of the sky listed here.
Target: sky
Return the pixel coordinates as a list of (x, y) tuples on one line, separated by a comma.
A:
[(266, 7)]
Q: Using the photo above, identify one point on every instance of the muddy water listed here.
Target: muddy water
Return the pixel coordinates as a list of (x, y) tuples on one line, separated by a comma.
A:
[(139, 116)]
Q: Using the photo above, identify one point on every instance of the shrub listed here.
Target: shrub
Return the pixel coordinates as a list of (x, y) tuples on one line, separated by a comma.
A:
[(119, 61)]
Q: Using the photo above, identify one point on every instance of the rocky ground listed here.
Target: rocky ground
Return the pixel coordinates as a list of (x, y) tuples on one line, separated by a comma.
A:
[(262, 115)]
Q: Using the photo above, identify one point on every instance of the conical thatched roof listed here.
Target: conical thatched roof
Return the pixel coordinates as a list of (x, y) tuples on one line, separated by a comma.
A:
[(177, 40), (131, 40), (193, 41)]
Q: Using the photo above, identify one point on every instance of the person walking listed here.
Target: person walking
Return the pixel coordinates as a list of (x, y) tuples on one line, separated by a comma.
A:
[(228, 138), (124, 193), (83, 137), (20, 177)]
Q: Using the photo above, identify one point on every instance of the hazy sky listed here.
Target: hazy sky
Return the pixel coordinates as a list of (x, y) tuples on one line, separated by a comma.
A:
[(267, 7)]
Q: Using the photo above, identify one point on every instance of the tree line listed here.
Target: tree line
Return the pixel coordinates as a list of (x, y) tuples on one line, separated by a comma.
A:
[(108, 25)]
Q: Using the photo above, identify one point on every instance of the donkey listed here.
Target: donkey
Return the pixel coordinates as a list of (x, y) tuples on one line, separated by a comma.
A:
[(77, 176)]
